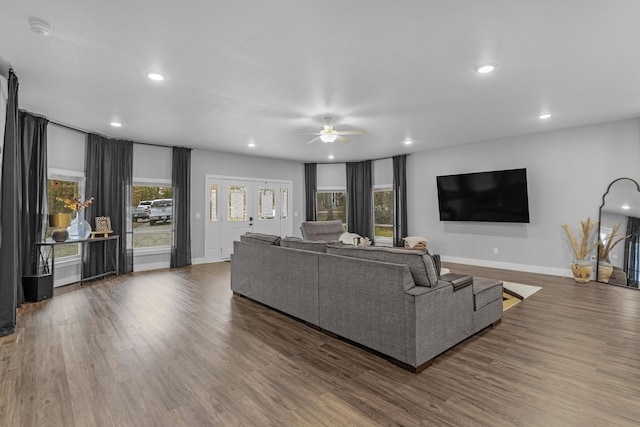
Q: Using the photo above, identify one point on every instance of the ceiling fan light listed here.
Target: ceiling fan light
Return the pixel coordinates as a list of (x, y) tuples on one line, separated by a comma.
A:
[(328, 137)]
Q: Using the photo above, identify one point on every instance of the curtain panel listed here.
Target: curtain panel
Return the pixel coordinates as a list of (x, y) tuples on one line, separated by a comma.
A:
[(310, 189), (33, 136), (399, 199), (4, 96), (109, 170), (631, 266), (181, 222), (359, 196), (11, 295)]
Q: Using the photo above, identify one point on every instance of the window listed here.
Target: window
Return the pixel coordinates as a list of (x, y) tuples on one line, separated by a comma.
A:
[(213, 203), (383, 213), (152, 216), (267, 208), (63, 187), (331, 205), (237, 207)]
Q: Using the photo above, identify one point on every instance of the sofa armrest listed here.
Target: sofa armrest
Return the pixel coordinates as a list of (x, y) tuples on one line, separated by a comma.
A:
[(437, 319)]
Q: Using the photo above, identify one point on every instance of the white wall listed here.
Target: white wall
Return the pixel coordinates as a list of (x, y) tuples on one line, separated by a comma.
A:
[(204, 162), (567, 171)]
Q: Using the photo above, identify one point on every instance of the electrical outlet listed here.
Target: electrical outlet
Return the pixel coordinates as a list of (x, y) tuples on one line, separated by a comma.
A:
[(495, 250)]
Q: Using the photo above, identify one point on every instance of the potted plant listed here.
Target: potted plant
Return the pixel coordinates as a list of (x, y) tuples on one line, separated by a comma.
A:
[(604, 249), (581, 267)]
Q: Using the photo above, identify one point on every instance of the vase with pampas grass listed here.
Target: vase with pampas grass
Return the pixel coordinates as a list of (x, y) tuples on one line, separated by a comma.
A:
[(581, 267), (605, 269)]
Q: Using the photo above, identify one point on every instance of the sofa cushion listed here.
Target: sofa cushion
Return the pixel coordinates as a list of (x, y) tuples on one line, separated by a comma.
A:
[(327, 231), (420, 264), (485, 291), (265, 239), (305, 245)]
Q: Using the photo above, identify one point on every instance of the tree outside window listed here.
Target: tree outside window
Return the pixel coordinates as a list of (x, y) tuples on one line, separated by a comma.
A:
[(62, 189), (383, 213), (331, 205)]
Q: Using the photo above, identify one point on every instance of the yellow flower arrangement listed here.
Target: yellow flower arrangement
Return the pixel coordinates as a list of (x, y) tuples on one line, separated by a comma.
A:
[(75, 203)]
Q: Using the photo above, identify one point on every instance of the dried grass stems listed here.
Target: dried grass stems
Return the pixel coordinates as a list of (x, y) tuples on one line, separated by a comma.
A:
[(582, 250), (612, 240)]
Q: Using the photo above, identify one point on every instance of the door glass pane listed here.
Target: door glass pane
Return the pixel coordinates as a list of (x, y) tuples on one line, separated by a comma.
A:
[(285, 203), (237, 203), (213, 203), (267, 209)]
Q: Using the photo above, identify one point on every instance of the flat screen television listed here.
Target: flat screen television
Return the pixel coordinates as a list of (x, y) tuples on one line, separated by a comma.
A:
[(498, 196)]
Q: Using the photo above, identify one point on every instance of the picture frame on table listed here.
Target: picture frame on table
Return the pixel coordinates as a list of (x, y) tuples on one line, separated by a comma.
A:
[(103, 224)]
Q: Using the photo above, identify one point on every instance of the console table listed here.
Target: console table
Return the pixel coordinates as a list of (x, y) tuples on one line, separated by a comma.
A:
[(107, 242)]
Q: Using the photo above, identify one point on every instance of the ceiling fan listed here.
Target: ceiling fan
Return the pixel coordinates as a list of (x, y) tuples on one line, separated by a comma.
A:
[(328, 134)]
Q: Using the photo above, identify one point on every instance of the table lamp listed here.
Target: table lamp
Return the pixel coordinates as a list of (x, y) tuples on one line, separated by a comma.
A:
[(60, 222)]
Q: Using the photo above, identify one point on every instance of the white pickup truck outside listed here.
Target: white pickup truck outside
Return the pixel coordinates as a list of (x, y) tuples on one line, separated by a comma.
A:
[(160, 210)]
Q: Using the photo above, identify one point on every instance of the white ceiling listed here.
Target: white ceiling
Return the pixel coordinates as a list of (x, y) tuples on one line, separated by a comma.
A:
[(264, 71)]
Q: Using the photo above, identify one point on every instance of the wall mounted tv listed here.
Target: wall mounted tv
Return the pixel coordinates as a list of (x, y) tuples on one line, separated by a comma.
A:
[(498, 196)]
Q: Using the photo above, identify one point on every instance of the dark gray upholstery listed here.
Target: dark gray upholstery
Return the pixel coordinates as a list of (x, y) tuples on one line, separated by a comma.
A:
[(373, 303), (328, 231), (306, 245), (485, 291), (265, 239), (419, 262)]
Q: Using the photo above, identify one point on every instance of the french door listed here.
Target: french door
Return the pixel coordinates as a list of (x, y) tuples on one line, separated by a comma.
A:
[(238, 206)]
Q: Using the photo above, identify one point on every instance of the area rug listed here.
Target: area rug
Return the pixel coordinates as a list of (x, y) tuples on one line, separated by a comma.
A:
[(514, 293), (519, 290)]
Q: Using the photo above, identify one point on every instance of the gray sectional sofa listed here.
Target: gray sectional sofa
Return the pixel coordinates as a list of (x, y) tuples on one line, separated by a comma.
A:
[(388, 300)]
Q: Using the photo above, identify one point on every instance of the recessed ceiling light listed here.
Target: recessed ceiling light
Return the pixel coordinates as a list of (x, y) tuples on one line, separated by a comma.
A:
[(484, 69), (116, 124), (544, 116), (251, 144), (40, 26), (330, 156), (408, 142), (155, 76), (626, 207)]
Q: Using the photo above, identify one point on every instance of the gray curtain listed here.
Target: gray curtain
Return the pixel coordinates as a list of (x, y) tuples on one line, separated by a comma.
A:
[(109, 169), (11, 294), (310, 188), (399, 199), (631, 266), (33, 136), (359, 206), (181, 222)]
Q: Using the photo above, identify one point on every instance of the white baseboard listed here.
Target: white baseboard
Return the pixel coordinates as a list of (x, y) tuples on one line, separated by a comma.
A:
[(66, 280), (195, 261), (551, 271), (150, 266)]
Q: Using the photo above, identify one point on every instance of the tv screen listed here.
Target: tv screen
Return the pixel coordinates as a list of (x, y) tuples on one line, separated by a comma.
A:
[(498, 196)]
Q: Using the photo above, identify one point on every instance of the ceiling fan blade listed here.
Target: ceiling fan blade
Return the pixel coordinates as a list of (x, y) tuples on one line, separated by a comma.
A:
[(314, 139), (309, 133), (351, 132), (342, 139)]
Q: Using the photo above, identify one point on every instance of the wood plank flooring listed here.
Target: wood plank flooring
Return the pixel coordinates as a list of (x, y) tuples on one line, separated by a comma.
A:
[(176, 348)]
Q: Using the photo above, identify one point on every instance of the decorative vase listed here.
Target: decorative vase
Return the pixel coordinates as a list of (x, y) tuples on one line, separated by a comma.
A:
[(59, 235), (79, 229), (581, 269), (605, 269)]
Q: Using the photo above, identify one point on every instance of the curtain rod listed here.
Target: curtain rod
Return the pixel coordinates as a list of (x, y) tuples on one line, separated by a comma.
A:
[(62, 125), (373, 160)]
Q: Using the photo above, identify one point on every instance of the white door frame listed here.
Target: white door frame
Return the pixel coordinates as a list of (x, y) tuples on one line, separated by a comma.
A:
[(286, 225)]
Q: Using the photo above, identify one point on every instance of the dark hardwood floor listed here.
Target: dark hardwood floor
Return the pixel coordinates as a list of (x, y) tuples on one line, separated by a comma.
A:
[(176, 348)]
